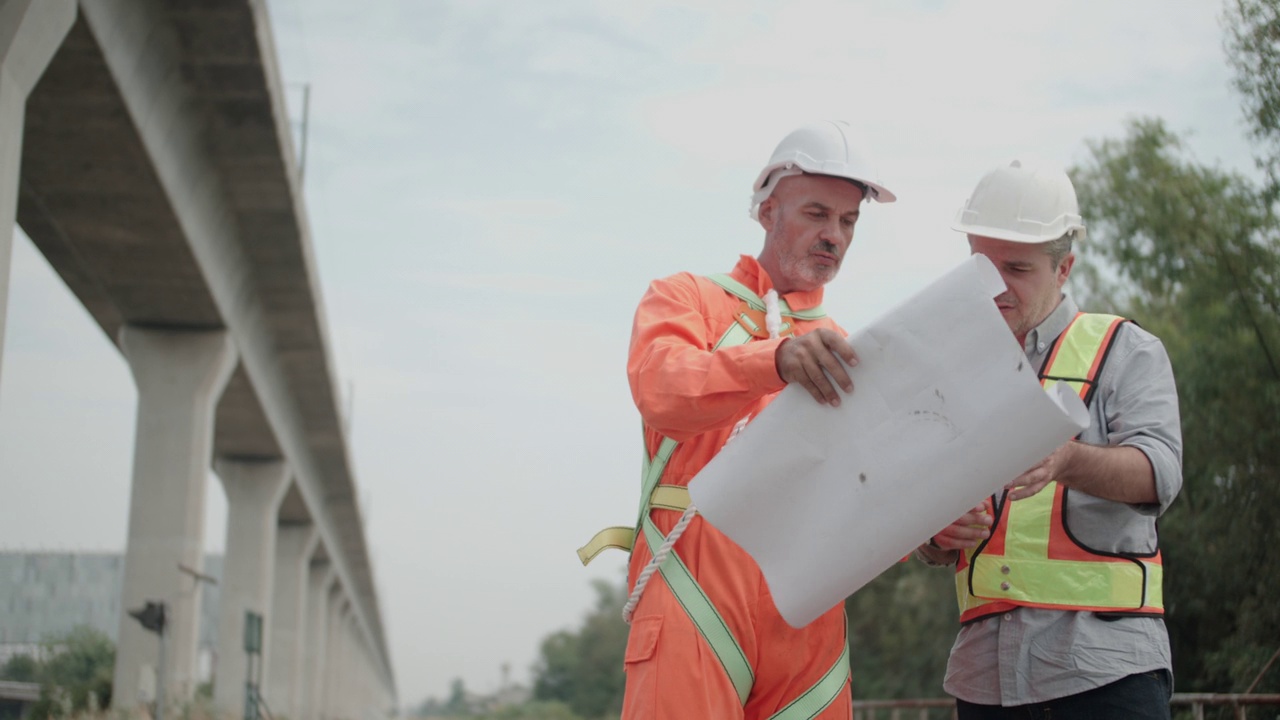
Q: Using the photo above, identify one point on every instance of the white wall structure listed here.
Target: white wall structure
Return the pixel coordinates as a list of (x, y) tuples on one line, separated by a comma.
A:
[(30, 32), (180, 376), (158, 178)]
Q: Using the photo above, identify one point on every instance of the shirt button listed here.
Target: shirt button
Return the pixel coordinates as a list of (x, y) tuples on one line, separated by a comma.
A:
[(1040, 347), (1004, 586), (1004, 569), (1008, 616)]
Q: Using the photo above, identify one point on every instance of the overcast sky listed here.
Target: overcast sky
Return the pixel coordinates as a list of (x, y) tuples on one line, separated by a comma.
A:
[(491, 186)]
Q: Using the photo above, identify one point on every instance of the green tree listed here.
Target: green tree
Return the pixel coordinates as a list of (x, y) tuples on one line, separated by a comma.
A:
[(21, 668), (1193, 253), (429, 708), (457, 703), (76, 676), (901, 626), (1253, 50), (583, 669)]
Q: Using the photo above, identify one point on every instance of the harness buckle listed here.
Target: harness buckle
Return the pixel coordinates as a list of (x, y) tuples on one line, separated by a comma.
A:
[(752, 320)]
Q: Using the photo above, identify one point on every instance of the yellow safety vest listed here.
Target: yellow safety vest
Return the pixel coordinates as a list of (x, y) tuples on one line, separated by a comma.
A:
[(1031, 559)]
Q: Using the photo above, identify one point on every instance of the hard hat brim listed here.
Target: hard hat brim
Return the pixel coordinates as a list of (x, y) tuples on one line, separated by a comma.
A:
[(1076, 229), (879, 193)]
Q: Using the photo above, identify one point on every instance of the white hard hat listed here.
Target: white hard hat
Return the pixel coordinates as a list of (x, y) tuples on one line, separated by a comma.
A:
[(1027, 204), (824, 148)]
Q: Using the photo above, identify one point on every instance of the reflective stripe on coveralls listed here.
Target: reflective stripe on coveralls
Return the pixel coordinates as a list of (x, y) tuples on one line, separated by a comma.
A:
[(1031, 558), (684, 587)]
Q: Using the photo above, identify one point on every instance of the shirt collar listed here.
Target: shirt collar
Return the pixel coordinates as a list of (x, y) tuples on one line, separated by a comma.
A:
[(749, 273), (1050, 328)]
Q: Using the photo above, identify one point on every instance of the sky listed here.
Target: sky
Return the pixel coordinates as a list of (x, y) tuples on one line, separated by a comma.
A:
[(492, 184)]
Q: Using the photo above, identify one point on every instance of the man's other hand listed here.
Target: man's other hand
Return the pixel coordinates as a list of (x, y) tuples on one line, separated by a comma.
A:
[(1041, 474), (967, 531)]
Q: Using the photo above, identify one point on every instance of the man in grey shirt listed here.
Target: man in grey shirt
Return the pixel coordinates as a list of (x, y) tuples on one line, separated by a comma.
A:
[(1058, 577)]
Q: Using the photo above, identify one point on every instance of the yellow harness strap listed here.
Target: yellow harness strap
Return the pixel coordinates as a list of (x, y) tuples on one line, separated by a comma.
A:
[(664, 497)]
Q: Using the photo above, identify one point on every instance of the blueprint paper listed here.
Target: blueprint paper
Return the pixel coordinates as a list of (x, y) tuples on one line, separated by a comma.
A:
[(945, 411)]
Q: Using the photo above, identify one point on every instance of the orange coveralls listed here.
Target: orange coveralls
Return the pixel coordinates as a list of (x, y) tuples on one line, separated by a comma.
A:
[(694, 396)]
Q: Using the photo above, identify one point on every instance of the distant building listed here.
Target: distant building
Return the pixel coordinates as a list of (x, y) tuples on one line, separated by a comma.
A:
[(46, 594)]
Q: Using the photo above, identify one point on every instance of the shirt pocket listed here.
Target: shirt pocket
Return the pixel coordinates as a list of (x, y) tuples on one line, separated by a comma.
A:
[(643, 639)]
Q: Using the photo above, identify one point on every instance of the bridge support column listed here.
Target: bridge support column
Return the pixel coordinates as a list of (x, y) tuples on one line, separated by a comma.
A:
[(254, 491), (368, 703), (354, 670), (335, 659), (288, 629), (180, 376), (348, 686), (341, 692), (359, 679), (360, 700), (356, 700), (30, 33), (320, 581)]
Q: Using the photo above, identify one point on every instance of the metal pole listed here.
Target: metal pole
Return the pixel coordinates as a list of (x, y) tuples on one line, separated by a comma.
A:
[(306, 114)]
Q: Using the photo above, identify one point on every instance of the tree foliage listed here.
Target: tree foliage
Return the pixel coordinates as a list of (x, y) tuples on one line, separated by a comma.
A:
[(74, 672), (583, 669), (21, 668), (1193, 253), (456, 705), (901, 626), (463, 704), (1253, 49)]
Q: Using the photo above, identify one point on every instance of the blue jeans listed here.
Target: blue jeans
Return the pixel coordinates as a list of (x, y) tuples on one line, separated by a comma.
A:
[(1144, 696)]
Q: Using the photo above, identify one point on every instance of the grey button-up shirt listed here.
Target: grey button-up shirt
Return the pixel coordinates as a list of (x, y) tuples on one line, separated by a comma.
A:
[(1031, 654)]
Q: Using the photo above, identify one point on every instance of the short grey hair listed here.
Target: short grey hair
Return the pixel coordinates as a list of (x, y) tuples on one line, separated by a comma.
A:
[(1059, 249)]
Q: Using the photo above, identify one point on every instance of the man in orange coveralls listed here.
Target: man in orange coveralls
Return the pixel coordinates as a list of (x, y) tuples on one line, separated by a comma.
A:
[(730, 654)]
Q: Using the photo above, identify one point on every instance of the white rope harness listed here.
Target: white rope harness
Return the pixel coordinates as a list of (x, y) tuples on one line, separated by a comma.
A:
[(772, 323)]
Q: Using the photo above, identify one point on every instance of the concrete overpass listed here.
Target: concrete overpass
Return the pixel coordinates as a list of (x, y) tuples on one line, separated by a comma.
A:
[(145, 150)]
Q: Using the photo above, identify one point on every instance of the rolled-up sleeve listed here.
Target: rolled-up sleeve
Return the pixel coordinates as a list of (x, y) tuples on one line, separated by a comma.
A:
[(1141, 406)]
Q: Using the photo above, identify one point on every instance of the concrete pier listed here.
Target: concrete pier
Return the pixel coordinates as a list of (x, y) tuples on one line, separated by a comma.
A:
[(339, 608), (287, 628), (30, 33), (254, 490), (320, 593), (180, 376)]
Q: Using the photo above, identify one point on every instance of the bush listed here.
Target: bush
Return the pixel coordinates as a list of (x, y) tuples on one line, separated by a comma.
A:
[(76, 675)]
